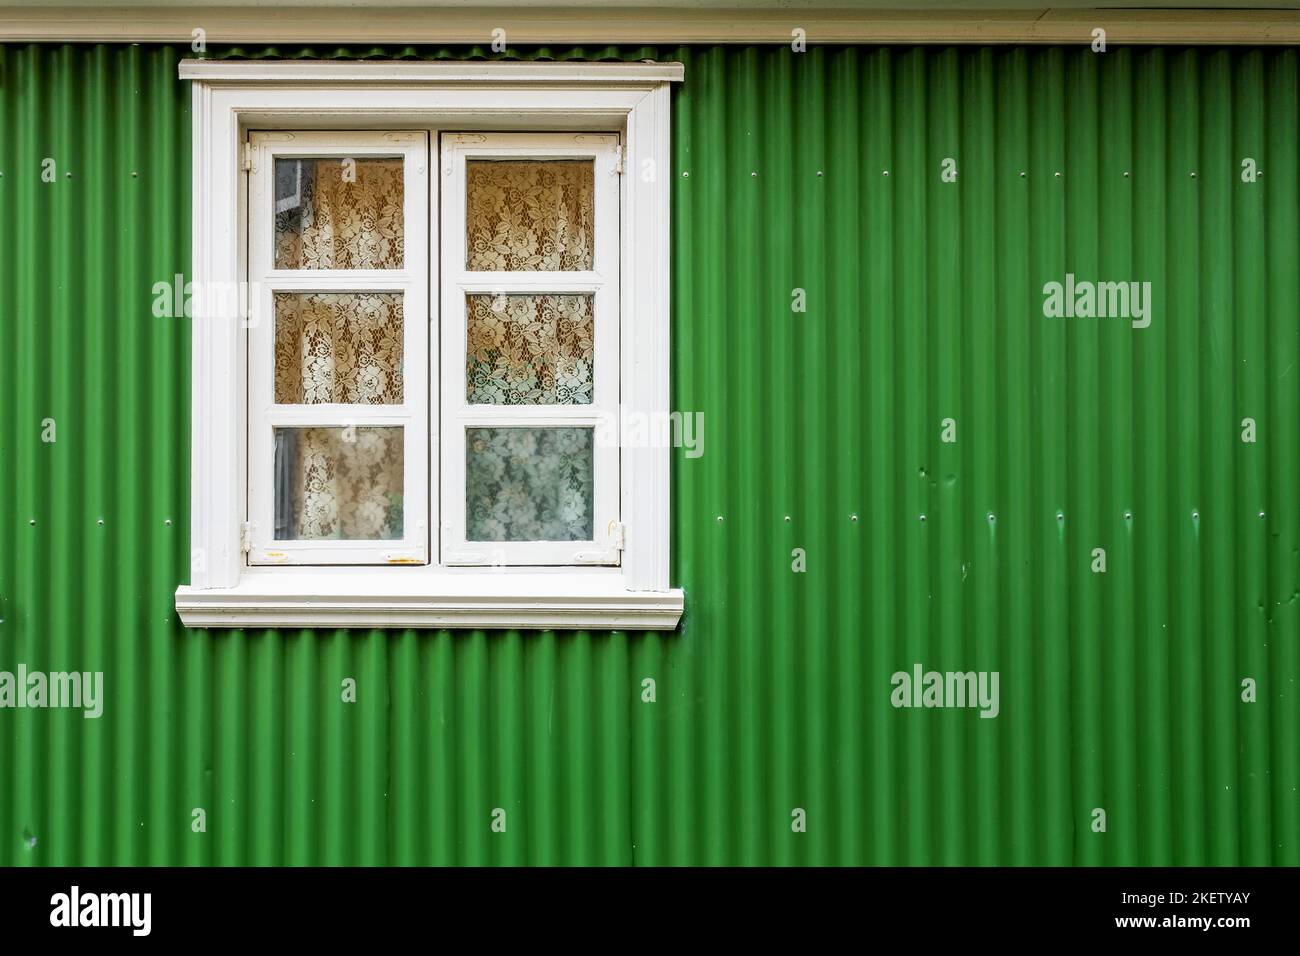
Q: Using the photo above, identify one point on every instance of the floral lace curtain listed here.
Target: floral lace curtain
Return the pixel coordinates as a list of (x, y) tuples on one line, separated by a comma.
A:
[(529, 350), (342, 483), (531, 216), (338, 214), (341, 348)]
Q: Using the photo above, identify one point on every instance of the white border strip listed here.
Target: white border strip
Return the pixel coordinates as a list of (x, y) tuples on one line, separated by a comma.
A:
[(253, 72)]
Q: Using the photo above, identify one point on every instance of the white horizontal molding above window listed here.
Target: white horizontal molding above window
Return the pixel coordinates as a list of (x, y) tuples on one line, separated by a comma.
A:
[(232, 100)]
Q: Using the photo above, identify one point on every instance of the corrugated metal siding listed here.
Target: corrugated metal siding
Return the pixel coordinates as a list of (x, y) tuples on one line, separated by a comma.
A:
[(1119, 691)]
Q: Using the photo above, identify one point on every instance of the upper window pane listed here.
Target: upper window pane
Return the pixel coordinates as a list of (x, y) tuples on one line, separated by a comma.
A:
[(530, 215), (338, 213)]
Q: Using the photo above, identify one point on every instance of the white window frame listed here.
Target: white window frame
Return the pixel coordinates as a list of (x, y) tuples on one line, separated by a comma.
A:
[(603, 149), (232, 99), (411, 282)]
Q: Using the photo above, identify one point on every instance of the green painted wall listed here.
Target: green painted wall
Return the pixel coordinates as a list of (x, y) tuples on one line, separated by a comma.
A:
[(822, 431)]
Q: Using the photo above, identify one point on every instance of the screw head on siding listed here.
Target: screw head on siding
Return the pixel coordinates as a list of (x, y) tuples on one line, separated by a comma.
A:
[(1060, 516), (1196, 516), (884, 172), (686, 174), (1128, 516), (819, 172), (1022, 174), (754, 175), (787, 519), (922, 517), (992, 517), (719, 519), (1193, 174), (100, 522), (853, 518), (1058, 174), (1126, 174), (167, 522), (32, 522)]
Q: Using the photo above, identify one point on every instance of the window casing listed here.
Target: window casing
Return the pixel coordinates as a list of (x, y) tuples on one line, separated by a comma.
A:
[(267, 553)]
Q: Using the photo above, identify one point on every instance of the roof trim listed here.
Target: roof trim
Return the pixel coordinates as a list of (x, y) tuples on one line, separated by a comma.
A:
[(246, 72), (572, 26)]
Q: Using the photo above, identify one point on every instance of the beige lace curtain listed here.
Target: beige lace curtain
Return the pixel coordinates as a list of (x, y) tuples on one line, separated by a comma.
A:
[(343, 348)]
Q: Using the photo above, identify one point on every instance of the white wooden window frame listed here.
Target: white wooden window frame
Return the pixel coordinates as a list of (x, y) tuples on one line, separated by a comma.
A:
[(411, 282), (232, 99), (458, 415)]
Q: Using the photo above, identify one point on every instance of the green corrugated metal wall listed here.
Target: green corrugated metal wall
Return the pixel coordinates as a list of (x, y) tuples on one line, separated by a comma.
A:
[(1118, 690)]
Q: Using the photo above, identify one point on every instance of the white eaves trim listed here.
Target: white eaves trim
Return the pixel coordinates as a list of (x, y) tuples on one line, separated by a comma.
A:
[(411, 597), (252, 72)]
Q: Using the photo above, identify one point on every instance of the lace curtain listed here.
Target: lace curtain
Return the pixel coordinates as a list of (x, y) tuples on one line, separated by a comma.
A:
[(342, 348)]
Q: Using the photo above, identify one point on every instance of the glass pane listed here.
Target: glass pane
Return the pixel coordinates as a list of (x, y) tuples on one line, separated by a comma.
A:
[(341, 347), (529, 349), (528, 484), (338, 483), (530, 216), (338, 213)]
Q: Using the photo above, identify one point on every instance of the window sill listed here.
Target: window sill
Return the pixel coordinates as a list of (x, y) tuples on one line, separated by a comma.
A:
[(424, 598)]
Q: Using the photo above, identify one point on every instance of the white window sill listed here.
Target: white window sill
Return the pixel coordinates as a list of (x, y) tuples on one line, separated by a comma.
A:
[(430, 598)]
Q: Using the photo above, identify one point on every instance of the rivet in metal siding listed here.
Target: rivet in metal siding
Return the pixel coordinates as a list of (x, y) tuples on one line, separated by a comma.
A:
[(922, 517), (68, 175), (1060, 516), (754, 174), (1022, 174), (787, 519), (885, 173), (1126, 174), (1193, 175), (686, 174), (1261, 514), (853, 518), (819, 172), (1128, 516), (1058, 174), (992, 517), (1196, 516), (32, 522), (134, 174), (167, 522), (100, 522), (719, 519)]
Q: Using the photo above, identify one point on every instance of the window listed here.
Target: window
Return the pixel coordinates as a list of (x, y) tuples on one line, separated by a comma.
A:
[(453, 292)]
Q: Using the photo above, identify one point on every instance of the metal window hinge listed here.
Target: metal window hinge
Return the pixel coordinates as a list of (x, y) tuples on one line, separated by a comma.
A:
[(617, 535), (246, 537), (618, 161), (248, 157)]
